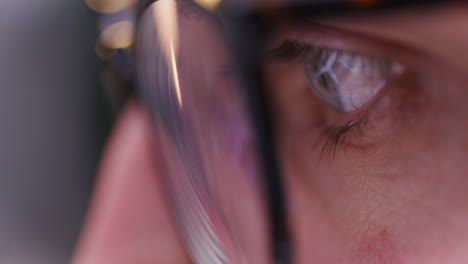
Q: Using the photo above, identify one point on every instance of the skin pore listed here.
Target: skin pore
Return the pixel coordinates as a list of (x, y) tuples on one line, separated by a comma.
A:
[(392, 191)]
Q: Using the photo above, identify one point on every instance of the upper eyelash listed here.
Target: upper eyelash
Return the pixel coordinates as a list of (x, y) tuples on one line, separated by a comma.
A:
[(288, 49)]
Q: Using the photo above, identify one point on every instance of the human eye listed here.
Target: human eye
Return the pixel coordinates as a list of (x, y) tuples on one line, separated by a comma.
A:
[(332, 80), (343, 80)]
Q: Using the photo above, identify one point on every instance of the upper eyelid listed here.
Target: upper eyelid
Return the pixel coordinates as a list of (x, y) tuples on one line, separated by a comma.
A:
[(287, 50), (319, 41), (319, 35)]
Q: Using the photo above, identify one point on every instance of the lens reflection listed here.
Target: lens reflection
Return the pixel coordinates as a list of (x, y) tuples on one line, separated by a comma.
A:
[(205, 141)]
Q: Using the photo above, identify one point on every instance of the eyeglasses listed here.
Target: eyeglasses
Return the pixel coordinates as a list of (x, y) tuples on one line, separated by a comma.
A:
[(200, 70)]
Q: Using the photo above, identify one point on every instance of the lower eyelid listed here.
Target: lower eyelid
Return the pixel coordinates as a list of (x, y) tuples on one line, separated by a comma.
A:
[(389, 115), (369, 126)]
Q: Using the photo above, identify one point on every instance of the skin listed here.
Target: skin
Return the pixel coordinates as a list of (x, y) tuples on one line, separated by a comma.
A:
[(393, 192)]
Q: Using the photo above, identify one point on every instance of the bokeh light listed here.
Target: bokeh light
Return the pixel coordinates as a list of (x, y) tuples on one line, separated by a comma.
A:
[(119, 35), (109, 6), (208, 4)]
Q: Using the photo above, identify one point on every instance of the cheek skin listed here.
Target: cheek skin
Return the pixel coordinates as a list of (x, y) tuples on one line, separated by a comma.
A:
[(394, 193), (408, 194), (395, 197)]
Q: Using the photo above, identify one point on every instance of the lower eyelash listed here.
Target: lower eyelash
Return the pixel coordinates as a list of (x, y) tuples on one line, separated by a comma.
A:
[(335, 136)]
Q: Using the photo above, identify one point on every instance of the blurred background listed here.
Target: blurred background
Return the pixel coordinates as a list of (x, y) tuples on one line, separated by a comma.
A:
[(54, 121)]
